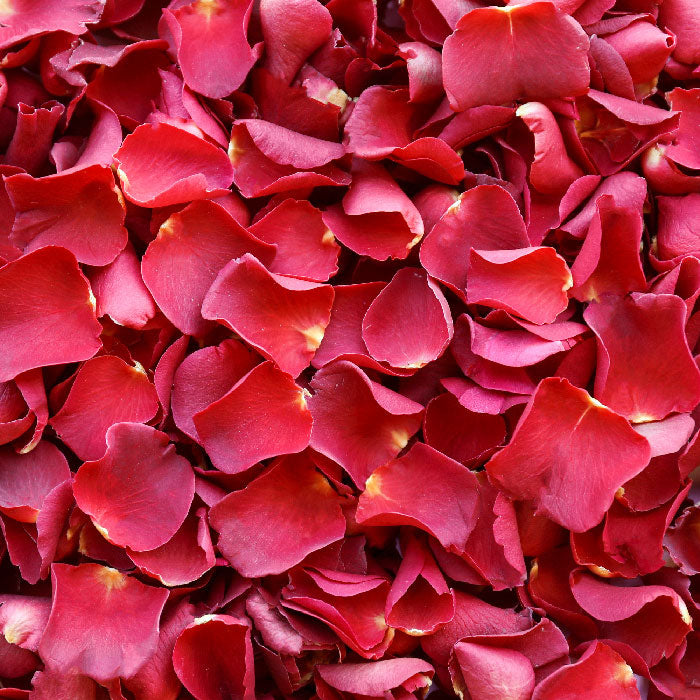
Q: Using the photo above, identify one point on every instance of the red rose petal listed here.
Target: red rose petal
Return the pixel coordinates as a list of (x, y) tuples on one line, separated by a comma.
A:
[(221, 643), (409, 323), (90, 409), (265, 406), (530, 282), (191, 247), (485, 218), (27, 479), (282, 317), (653, 620), (155, 484), (204, 377), (89, 597), (529, 51), (161, 165), (305, 246), (645, 370), (600, 670), (446, 509), (567, 436), (358, 423), (49, 314), (292, 32), (375, 678), (186, 556), (263, 531), (212, 49)]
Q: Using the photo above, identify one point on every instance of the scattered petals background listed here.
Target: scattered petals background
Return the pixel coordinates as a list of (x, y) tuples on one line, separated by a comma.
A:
[(349, 349)]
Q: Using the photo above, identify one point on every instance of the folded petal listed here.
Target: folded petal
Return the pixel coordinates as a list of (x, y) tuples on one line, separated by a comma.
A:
[(530, 282), (282, 317), (160, 164), (120, 291), (653, 620), (562, 441), (88, 598), (358, 423), (267, 408), (376, 678), (292, 32), (601, 671), (530, 52), (278, 519), (49, 313), (140, 492), (91, 409), (375, 203)]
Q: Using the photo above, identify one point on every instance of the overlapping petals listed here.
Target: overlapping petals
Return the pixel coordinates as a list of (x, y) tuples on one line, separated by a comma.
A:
[(349, 349)]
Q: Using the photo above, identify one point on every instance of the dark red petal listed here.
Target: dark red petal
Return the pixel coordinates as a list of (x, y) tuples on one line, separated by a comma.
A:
[(49, 316), (115, 604), (530, 52), (161, 165), (90, 409), (264, 531), (155, 487), (562, 441), (458, 432), (282, 317), (267, 408), (358, 423), (222, 645)]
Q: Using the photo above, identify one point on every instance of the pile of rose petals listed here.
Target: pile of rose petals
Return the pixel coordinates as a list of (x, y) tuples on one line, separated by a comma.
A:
[(349, 349)]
